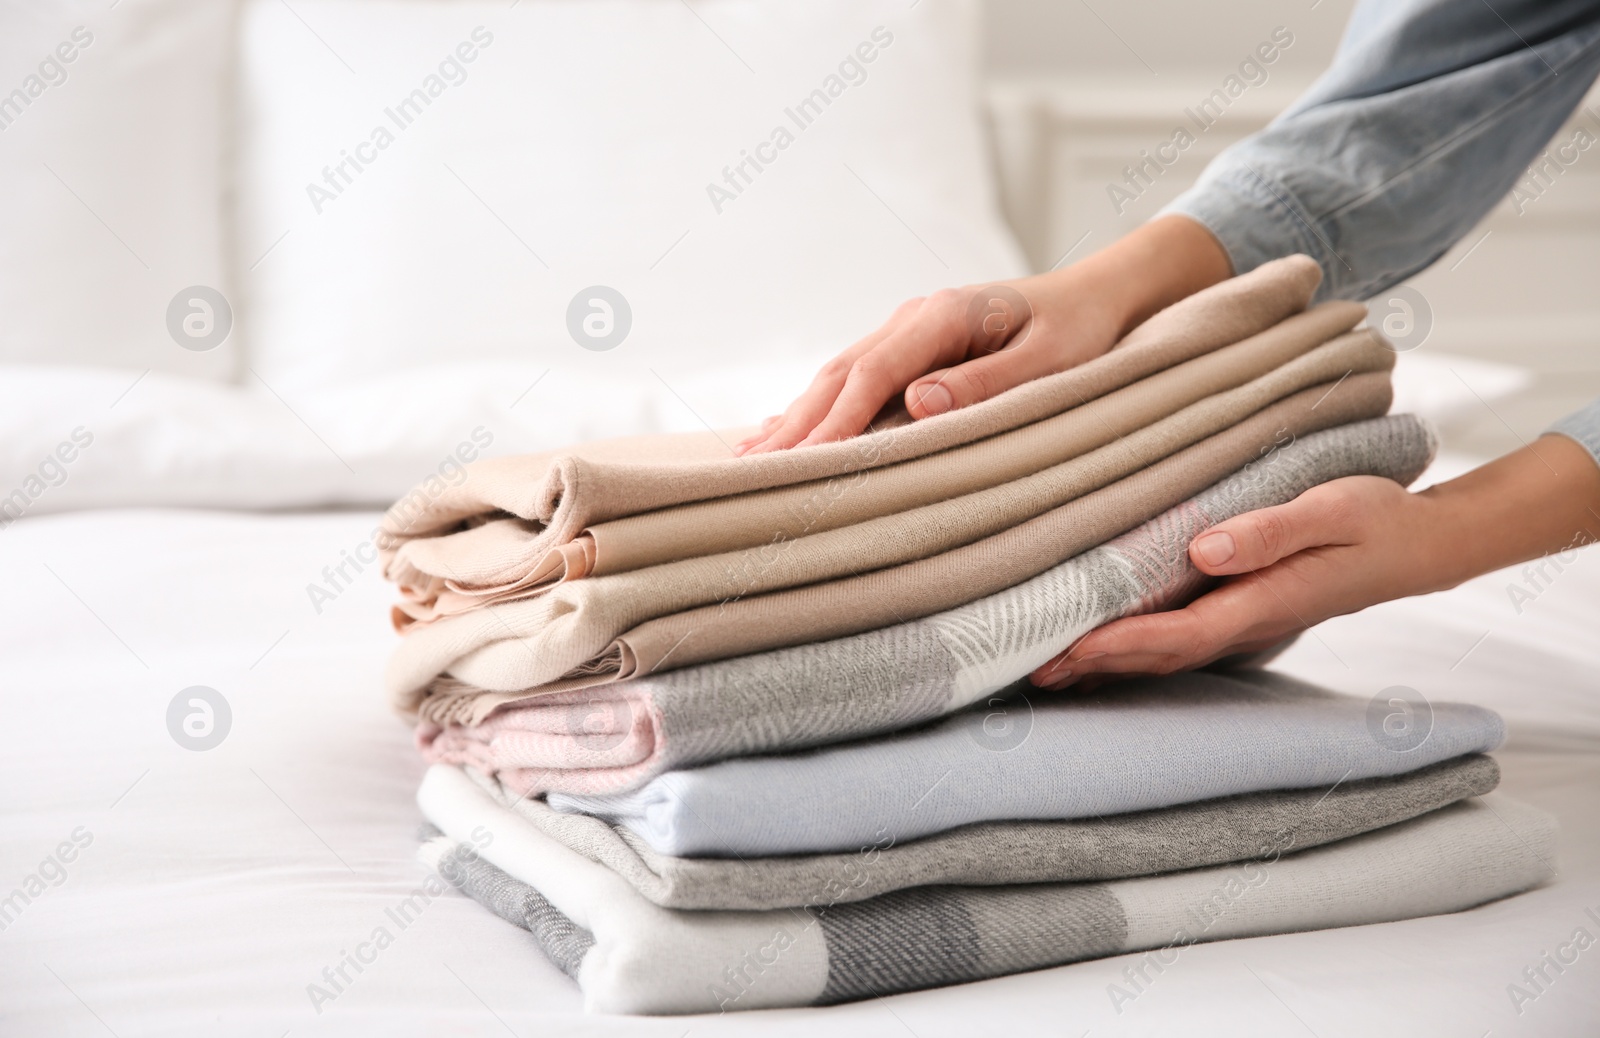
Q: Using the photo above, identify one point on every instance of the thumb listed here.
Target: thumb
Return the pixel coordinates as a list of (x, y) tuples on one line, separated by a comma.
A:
[(974, 381), (1256, 540)]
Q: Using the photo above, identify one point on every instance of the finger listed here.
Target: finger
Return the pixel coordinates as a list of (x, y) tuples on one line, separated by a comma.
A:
[(1134, 665), (814, 404), (1237, 615), (1155, 644), (760, 434), (977, 380), (936, 335), (1323, 515), (807, 409), (875, 380), (1092, 682), (1128, 666)]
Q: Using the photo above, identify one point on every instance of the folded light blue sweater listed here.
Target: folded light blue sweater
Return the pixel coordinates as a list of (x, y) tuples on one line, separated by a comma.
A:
[(1144, 744)]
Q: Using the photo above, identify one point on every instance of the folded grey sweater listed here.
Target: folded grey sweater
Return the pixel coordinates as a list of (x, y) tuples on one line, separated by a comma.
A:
[(1187, 836), (1142, 744), (631, 956), (619, 736)]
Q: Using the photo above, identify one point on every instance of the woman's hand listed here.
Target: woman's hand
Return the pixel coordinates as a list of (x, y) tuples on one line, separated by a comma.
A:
[(1335, 549), (962, 345), (1343, 546)]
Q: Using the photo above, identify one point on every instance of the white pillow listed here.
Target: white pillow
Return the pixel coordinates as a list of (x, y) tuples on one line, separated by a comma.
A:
[(93, 437), (111, 160), (575, 143)]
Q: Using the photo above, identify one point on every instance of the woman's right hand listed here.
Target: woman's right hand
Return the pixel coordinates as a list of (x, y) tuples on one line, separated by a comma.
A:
[(962, 345)]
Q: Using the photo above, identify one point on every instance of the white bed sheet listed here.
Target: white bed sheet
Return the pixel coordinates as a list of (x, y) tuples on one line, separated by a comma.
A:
[(219, 884)]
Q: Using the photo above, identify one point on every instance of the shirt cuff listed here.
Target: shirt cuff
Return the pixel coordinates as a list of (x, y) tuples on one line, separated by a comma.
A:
[(1582, 425), (1256, 220)]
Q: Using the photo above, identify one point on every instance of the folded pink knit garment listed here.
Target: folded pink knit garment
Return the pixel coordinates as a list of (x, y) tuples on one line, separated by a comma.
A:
[(611, 731), (616, 737), (559, 494), (495, 554), (492, 675)]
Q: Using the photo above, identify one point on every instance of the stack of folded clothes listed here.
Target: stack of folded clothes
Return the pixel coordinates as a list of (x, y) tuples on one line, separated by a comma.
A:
[(728, 733)]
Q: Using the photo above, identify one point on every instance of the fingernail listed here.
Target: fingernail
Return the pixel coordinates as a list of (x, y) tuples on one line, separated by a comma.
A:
[(934, 398), (1215, 548)]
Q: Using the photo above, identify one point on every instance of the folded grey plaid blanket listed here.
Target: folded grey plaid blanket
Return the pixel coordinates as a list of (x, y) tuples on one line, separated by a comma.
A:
[(1210, 832), (631, 956), (1141, 744), (619, 736)]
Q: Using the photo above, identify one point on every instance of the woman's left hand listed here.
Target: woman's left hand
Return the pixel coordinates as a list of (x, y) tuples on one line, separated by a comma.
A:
[(1345, 545), (1336, 548)]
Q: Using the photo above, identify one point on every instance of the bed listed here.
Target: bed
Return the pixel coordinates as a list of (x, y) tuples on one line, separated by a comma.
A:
[(208, 806), (217, 885)]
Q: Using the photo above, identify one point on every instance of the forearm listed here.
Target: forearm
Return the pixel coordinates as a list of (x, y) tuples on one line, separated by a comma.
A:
[(1542, 499), (1346, 545), (1430, 114), (934, 355), (1154, 266)]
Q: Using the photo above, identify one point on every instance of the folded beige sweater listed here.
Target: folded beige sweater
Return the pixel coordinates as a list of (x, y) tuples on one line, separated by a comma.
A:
[(557, 495), (495, 664), (575, 622), (490, 563)]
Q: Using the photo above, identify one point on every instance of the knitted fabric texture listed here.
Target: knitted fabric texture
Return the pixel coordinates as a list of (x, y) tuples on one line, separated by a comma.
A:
[(497, 673), (491, 562), (1143, 744), (566, 626), (637, 957), (619, 736), (1186, 836), (562, 492)]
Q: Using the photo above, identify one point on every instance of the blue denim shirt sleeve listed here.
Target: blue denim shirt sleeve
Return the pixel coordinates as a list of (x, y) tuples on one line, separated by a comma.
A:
[(1431, 113), (1582, 425)]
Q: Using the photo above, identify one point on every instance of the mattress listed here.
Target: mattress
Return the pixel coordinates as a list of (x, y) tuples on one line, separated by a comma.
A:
[(267, 885)]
